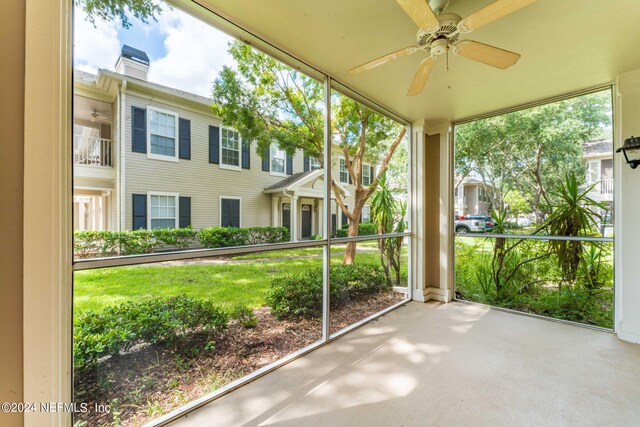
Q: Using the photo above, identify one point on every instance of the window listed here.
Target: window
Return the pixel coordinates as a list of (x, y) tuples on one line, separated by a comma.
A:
[(162, 211), (314, 163), (163, 134), (278, 159), (229, 148), (366, 214), (229, 211), (344, 173), (366, 175)]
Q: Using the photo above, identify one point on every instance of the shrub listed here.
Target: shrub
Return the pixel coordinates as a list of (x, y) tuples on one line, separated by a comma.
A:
[(223, 237), (301, 295), (364, 229), (244, 315), (105, 243), (169, 321)]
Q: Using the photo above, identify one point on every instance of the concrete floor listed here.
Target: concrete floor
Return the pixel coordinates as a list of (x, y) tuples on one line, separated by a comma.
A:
[(446, 365)]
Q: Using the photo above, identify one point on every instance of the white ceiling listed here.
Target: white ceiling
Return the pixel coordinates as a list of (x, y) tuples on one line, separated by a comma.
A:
[(566, 45)]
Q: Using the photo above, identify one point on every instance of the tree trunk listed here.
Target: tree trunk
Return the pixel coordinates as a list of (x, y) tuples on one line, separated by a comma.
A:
[(350, 251)]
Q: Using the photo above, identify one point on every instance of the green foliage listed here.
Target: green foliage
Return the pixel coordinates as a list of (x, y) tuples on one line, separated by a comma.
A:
[(517, 203), (301, 295), (168, 321), (575, 215), (532, 281), (105, 243), (389, 215), (244, 315), (529, 151), (109, 10), (364, 229)]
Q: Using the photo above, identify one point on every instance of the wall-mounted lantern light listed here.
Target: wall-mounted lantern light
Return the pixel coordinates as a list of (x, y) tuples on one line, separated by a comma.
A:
[(631, 151)]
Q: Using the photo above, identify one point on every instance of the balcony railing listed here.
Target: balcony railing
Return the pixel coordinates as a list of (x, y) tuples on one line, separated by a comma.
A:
[(92, 151), (606, 186)]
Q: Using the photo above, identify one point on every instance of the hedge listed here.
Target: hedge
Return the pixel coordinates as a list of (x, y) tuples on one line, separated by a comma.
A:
[(106, 243), (170, 321), (301, 295), (364, 229)]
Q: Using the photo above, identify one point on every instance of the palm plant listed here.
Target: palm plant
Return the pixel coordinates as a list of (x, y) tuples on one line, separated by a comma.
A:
[(574, 215), (389, 216)]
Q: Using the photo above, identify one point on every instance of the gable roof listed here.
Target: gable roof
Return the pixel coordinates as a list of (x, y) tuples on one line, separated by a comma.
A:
[(297, 180)]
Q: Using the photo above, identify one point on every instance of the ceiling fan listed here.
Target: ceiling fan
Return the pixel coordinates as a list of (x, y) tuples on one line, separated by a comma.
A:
[(440, 32)]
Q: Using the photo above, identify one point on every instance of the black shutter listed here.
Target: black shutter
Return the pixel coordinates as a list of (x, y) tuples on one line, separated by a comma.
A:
[(139, 211), (214, 144), (289, 165), (306, 163), (348, 174), (224, 213), (184, 137), (230, 213), (185, 212), (138, 130), (235, 213), (372, 171), (345, 219), (265, 160), (246, 155)]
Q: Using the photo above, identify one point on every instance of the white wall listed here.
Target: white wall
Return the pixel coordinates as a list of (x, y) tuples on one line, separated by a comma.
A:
[(628, 218)]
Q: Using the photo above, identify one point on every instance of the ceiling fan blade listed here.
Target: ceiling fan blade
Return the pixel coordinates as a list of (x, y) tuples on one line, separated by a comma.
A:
[(422, 75), (496, 10), (486, 54), (386, 58), (420, 12)]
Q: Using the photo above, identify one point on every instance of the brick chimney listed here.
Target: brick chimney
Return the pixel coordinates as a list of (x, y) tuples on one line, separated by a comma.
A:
[(133, 62)]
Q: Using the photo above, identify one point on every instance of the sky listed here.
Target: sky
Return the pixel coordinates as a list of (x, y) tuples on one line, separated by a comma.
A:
[(185, 53)]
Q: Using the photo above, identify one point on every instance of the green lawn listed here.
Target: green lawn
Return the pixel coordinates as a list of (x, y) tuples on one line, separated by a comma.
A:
[(227, 284)]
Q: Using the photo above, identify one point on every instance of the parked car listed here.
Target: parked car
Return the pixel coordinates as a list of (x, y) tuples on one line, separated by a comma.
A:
[(489, 222), (470, 224)]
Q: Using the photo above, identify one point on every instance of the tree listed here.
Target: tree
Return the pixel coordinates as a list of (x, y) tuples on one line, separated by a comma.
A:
[(530, 150), (110, 10), (267, 101), (517, 203)]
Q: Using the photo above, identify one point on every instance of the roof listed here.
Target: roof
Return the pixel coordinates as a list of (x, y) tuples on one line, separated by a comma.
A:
[(290, 180), (603, 147), (134, 54), (83, 75)]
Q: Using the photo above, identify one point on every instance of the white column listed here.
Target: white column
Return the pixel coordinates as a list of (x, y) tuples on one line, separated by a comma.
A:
[(275, 202), (294, 219), (320, 215), (627, 206)]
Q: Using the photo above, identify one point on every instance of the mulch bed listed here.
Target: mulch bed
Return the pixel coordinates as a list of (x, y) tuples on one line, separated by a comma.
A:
[(152, 381)]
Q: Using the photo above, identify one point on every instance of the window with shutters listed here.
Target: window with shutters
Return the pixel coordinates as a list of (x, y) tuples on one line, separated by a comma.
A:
[(163, 134), (344, 173), (163, 210), (229, 149), (230, 211), (277, 159), (314, 164), (366, 174)]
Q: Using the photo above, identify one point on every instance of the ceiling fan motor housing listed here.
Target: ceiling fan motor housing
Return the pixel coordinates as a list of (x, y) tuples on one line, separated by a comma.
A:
[(446, 31)]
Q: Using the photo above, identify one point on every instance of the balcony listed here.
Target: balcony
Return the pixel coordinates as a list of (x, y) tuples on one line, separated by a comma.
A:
[(92, 151), (93, 158), (606, 186)]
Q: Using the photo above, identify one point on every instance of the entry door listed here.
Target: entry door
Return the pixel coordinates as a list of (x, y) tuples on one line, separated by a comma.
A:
[(286, 216), (306, 221)]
